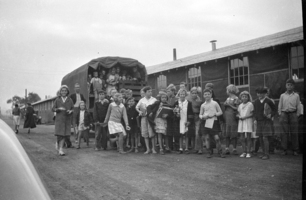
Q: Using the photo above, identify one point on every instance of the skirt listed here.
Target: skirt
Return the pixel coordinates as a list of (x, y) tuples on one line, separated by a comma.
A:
[(16, 119), (115, 127)]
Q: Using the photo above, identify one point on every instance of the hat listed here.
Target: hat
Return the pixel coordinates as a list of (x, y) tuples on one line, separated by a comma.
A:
[(290, 81), (261, 90), (64, 86), (209, 85)]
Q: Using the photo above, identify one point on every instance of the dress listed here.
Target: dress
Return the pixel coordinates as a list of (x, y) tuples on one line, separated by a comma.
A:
[(183, 116), (29, 118), (245, 126), (230, 118), (63, 120)]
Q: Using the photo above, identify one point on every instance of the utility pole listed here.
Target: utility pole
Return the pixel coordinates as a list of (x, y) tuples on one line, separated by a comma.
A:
[(26, 96)]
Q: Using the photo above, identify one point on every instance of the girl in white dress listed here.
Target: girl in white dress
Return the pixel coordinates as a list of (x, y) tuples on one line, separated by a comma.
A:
[(245, 125)]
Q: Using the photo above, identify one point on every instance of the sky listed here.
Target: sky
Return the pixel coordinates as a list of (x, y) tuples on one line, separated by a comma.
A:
[(43, 40)]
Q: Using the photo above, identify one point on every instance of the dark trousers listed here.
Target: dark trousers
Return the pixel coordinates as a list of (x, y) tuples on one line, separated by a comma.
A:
[(101, 137), (289, 124)]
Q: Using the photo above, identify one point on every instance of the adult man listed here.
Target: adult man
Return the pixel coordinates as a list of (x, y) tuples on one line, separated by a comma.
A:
[(77, 97), (288, 109)]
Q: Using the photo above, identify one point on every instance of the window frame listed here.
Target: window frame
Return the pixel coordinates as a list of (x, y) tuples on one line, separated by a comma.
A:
[(241, 64), (297, 56), (161, 81), (194, 77)]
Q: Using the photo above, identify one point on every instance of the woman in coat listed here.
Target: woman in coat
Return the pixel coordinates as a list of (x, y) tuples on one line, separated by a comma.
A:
[(63, 106), (29, 118)]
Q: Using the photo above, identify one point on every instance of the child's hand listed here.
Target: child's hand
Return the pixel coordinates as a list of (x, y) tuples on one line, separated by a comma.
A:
[(187, 123), (69, 112), (268, 116), (150, 115), (128, 128)]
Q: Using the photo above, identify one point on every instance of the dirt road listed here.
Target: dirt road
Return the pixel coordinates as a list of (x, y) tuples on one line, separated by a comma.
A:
[(87, 174)]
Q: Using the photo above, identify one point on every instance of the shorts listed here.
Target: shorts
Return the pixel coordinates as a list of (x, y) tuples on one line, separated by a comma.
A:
[(134, 131), (253, 135), (264, 128), (231, 131), (16, 119), (210, 131), (146, 129)]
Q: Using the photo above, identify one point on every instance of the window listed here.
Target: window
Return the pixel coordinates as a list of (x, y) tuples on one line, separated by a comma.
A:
[(297, 62), (161, 82), (194, 77), (239, 71)]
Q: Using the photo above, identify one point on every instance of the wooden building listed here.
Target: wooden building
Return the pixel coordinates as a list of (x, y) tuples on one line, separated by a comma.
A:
[(266, 61), (43, 109)]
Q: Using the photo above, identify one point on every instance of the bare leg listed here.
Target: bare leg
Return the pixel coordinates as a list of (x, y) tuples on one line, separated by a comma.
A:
[(153, 144), (249, 142), (147, 145), (160, 141), (61, 146), (181, 142)]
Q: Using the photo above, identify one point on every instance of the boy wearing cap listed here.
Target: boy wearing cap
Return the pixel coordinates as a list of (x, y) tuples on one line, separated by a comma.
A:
[(263, 120), (288, 109)]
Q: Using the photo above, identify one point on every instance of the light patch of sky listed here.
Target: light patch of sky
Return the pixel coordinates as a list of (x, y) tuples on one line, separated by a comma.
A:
[(42, 41)]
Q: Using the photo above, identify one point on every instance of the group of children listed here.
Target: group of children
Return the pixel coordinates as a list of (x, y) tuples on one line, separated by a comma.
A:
[(183, 120), (103, 81)]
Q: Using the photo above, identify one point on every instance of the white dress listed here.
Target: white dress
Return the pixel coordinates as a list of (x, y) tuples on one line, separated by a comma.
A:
[(183, 116), (247, 124)]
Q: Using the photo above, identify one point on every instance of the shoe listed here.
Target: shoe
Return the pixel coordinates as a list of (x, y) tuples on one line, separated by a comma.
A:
[(265, 157), (195, 151), (243, 155), (234, 152), (186, 151), (248, 155), (153, 151), (180, 151), (284, 153), (147, 152), (261, 156), (97, 149), (295, 153), (78, 147), (221, 155), (162, 152), (200, 152), (209, 155), (122, 152), (61, 153), (227, 152), (136, 150)]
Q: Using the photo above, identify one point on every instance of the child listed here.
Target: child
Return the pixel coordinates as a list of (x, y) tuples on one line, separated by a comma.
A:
[(116, 111), (83, 121), (103, 78), (96, 84), (63, 106), (209, 112), (99, 114), (289, 110), (263, 121), (111, 81), (132, 117), (245, 126), (124, 75), (16, 117), (185, 115), (136, 74), (117, 74), (146, 128), (160, 122), (112, 93), (231, 105), (88, 83), (195, 136), (183, 86), (123, 91)]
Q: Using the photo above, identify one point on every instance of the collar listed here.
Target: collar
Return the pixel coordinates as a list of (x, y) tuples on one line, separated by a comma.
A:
[(64, 98), (120, 105), (291, 93)]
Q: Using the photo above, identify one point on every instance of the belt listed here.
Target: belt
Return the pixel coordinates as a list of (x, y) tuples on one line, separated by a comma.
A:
[(289, 111)]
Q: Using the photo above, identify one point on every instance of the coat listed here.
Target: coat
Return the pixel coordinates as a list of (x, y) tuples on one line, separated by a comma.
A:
[(190, 118), (29, 118), (87, 118), (62, 119), (73, 98)]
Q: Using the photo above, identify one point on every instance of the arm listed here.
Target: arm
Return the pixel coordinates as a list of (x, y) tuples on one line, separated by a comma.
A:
[(280, 104), (298, 109), (108, 113), (201, 111), (55, 106), (83, 98), (273, 108), (125, 118), (95, 113), (219, 111)]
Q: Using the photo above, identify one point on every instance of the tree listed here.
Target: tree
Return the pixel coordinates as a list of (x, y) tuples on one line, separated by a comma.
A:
[(33, 97)]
